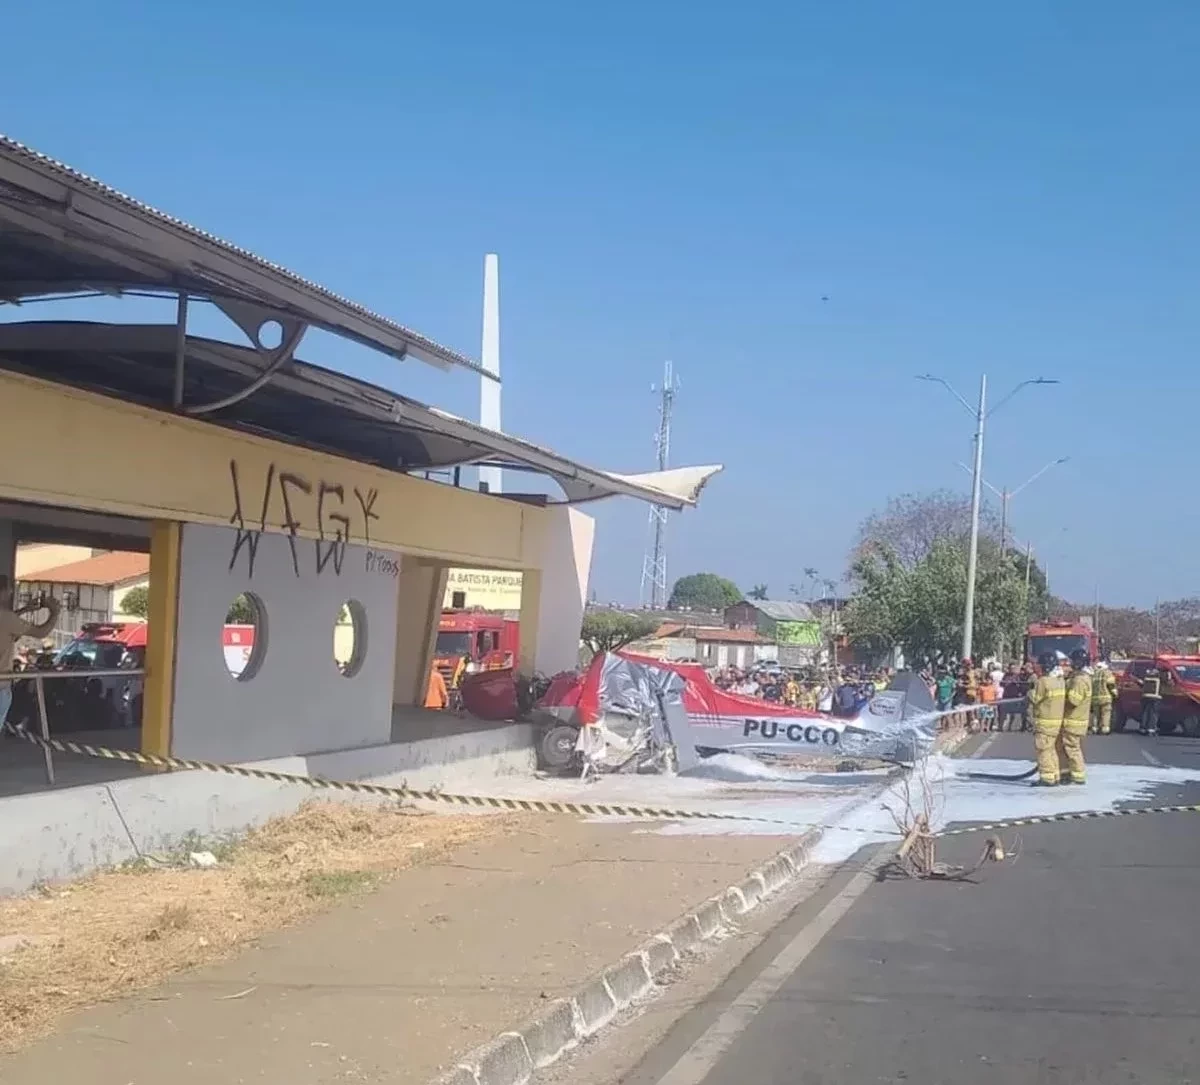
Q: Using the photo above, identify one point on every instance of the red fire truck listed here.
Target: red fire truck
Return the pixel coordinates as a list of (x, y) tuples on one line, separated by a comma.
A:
[(474, 640), (1061, 637)]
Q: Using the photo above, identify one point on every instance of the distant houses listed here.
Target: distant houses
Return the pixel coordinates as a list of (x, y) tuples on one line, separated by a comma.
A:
[(744, 634)]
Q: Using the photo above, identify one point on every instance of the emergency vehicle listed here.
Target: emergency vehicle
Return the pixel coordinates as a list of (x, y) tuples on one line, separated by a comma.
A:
[(470, 641), (1180, 707), (1061, 638)]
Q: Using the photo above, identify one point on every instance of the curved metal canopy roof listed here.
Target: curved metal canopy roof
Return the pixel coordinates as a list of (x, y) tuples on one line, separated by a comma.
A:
[(62, 232)]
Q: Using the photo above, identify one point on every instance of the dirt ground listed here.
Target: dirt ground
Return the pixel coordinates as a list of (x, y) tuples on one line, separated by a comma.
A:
[(119, 931)]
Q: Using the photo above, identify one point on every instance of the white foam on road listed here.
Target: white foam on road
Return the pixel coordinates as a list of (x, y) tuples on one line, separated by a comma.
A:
[(955, 798), (850, 803), (736, 768), (725, 783)]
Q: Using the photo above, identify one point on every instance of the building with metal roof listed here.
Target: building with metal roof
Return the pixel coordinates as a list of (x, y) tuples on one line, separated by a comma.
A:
[(251, 474), (64, 233)]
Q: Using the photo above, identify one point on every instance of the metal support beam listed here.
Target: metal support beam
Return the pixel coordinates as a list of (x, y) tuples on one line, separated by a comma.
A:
[(181, 313), (252, 319)]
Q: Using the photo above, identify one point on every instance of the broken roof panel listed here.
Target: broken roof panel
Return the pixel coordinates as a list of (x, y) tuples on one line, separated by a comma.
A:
[(62, 231)]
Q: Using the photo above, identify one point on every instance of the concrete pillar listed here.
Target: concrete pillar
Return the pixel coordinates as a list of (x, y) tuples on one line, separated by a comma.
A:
[(421, 588), (531, 613), (8, 569), (162, 627), (553, 596), (8, 551)]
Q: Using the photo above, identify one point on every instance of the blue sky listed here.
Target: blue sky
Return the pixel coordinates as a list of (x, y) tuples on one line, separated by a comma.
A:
[(1003, 189)]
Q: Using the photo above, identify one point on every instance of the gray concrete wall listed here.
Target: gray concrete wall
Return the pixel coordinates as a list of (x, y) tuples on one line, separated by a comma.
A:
[(57, 835), (297, 701)]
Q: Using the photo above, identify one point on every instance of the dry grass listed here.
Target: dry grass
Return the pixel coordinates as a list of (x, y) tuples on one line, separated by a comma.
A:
[(119, 931)]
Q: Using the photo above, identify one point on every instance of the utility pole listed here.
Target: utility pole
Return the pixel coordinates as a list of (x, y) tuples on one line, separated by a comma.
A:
[(1156, 627), (833, 628), (982, 414), (1004, 499), (976, 491), (1006, 495), (1096, 611), (654, 564)]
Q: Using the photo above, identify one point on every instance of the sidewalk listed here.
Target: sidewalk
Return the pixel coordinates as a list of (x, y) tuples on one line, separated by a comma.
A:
[(394, 985)]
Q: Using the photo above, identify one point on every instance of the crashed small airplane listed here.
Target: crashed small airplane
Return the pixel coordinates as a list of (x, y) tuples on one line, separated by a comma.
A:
[(627, 709)]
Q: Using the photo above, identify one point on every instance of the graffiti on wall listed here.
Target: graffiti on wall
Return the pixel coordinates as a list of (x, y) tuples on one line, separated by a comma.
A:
[(323, 508), (383, 563)]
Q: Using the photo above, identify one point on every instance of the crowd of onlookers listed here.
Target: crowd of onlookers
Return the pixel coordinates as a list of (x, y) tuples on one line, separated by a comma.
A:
[(989, 695), (840, 691), (985, 694)]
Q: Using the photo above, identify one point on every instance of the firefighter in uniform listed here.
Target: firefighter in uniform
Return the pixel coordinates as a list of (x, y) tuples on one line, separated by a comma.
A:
[(1151, 701), (1076, 717), (1104, 692), (1047, 702)]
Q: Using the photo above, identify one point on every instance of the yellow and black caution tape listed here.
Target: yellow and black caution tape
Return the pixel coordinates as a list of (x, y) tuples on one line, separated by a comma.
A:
[(1077, 815), (547, 806)]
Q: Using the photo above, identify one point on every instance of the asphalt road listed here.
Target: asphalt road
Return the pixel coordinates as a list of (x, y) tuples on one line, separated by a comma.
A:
[(1077, 963)]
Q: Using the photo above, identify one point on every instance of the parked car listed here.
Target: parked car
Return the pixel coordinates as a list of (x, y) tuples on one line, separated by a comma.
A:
[(88, 703), (1180, 709)]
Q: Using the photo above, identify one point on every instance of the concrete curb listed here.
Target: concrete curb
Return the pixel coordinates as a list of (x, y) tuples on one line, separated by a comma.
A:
[(512, 1057)]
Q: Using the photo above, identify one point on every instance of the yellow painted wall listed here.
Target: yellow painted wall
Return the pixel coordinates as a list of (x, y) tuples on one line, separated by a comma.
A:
[(159, 466)]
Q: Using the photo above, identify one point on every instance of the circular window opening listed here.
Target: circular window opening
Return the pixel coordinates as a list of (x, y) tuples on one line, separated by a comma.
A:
[(350, 638), (270, 335), (244, 636)]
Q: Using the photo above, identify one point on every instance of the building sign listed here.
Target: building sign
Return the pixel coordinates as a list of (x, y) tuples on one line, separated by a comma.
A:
[(804, 634), (492, 589)]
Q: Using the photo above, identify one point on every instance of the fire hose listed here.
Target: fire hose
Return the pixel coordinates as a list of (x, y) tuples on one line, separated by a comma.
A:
[(1007, 778), (1001, 776)]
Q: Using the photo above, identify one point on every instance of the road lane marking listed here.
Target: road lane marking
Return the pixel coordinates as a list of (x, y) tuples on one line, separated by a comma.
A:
[(984, 746), (695, 1064)]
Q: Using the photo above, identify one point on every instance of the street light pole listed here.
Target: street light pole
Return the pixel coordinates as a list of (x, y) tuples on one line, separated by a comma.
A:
[(976, 492), (982, 414), (1007, 495)]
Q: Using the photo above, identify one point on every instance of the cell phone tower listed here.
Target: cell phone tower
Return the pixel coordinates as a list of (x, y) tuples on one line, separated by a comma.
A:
[(653, 592)]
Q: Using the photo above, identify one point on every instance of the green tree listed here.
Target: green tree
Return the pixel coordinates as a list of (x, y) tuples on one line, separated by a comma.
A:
[(136, 601), (703, 591), (759, 592), (920, 607), (241, 612), (611, 630)]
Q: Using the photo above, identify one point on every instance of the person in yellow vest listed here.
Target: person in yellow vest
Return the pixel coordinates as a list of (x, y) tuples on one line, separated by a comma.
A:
[(1076, 718), (1048, 700), (791, 691), (1104, 692)]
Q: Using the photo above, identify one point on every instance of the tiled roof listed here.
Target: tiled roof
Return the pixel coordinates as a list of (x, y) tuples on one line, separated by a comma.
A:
[(115, 567)]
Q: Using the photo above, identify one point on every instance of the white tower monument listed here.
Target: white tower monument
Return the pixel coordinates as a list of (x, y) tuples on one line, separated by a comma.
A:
[(490, 478)]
